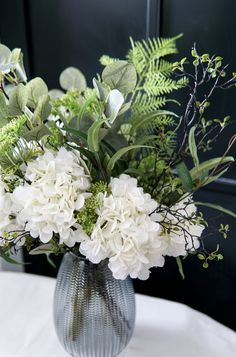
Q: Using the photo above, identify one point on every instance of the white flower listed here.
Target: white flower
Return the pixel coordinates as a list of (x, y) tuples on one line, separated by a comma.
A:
[(57, 189), (184, 230), (114, 102), (7, 222), (124, 232)]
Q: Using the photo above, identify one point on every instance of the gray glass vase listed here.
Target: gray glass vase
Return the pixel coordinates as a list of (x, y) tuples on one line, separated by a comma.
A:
[(94, 313)]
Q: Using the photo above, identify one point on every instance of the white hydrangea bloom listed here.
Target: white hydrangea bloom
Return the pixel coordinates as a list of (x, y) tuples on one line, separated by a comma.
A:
[(7, 223), (124, 231), (184, 230), (58, 187)]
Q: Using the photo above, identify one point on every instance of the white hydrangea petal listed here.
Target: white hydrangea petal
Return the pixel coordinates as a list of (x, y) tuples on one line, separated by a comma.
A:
[(57, 189), (124, 233)]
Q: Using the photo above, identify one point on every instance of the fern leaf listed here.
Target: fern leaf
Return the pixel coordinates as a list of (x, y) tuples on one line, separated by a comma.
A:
[(144, 103), (143, 52), (159, 84)]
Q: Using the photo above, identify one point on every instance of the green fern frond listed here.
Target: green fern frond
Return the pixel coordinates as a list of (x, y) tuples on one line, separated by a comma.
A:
[(158, 84), (143, 103), (155, 124), (144, 52)]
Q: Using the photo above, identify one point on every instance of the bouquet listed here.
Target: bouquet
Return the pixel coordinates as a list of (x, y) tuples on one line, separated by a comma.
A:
[(110, 171)]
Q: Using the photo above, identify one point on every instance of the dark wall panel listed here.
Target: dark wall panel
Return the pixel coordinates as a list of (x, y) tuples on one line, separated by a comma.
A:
[(72, 32)]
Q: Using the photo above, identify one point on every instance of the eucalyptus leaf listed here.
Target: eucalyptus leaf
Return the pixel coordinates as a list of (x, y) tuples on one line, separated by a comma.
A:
[(120, 75), (37, 133), (36, 88), (216, 207), (193, 146), (72, 78), (5, 64), (5, 54), (202, 170), (185, 176), (93, 135), (17, 59), (43, 109), (4, 111), (18, 100), (55, 93)]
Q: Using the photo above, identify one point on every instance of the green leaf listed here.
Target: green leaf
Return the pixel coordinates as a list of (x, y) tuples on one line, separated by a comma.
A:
[(101, 90), (4, 111), (42, 249), (120, 153), (213, 178), (37, 133), (35, 88), (201, 171), (93, 135), (55, 93), (72, 78), (193, 146), (142, 120), (8, 259), (185, 176), (43, 109), (180, 267), (50, 261), (76, 133), (17, 59), (18, 100), (217, 207), (120, 75), (5, 54)]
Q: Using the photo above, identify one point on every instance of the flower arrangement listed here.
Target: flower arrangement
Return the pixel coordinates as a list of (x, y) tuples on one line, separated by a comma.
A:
[(109, 172)]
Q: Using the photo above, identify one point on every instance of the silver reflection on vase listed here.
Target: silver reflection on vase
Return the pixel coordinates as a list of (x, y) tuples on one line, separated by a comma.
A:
[(94, 313)]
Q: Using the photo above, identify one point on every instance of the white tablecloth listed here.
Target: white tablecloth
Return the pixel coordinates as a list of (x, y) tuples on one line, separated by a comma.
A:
[(163, 328)]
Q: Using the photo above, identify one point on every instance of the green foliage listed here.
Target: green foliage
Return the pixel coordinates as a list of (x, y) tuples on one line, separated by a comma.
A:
[(206, 257), (107, 60), (202, 172), (193, 146), (88, 216), (120, 75), (157, 178), (35, 89), (10, 134), (185, 176), (72, 78), (217, 207), (155, 74), (224, 230)]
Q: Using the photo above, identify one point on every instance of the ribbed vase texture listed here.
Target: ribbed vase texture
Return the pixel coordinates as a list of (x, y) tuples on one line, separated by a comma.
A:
[(94, 313)]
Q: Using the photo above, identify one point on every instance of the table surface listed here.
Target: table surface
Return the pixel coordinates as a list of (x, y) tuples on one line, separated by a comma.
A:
[(163, 328)]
